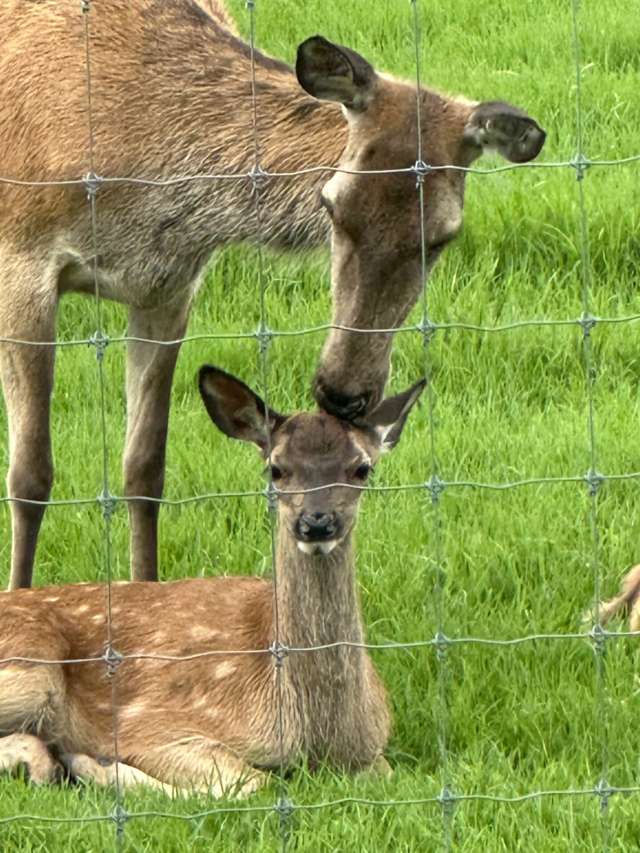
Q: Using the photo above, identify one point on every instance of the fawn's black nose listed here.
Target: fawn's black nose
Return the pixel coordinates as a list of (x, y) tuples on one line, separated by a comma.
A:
[(341, 405), (317, 526)]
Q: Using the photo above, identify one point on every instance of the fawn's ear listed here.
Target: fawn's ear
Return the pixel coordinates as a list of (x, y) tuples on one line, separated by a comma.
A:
[(235, 409), (334, 73), (506, 129), (389, 417)]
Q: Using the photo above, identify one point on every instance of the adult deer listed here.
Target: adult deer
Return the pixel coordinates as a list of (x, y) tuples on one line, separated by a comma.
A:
[(213, 721), (171, 95)]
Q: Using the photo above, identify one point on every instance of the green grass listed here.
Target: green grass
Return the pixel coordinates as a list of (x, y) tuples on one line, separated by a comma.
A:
[(508, 406)]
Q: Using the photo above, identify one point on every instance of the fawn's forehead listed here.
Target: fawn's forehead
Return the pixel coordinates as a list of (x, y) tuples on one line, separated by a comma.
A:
[(320, 435)]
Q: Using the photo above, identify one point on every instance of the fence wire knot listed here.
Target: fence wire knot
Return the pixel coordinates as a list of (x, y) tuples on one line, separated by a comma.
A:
[(250, 5), (427, 329), (442, 643), (264, 336), (435, 486), (604, 791), (421, 170), (580, 163), (279, 652), (447, 800), (284, 808), (588, 322), (85, 6), (91, 181), (599, 637), (593, 480), (108, 504), (120, 816), (113, 659), (271, 494), (258, 178), (100, 341)]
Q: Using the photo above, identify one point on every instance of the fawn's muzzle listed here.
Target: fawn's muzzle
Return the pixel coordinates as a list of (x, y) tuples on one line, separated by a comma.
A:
[(317, 526)]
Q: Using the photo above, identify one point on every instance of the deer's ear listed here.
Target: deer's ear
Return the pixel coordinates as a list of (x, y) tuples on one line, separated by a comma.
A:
[(390, 416), (334, 73), (506, 129), (235, 409)]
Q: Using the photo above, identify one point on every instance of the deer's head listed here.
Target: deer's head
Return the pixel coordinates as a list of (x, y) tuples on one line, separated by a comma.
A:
[(309, 451), (376, 221)]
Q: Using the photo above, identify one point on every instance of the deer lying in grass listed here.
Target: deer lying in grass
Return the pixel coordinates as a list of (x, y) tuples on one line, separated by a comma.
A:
[(171, 96), (627, 601), (211, 722)]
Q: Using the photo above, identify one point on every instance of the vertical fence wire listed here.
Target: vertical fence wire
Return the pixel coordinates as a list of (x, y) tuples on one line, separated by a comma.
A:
[(593, 479), (434, 484), (105, 499), (282, 806)]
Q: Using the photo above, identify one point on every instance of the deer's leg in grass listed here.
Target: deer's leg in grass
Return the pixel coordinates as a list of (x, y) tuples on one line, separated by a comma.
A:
[(149, 376), (29, 752), (27, 380), (212, 769), (380, 768), (88, 769)]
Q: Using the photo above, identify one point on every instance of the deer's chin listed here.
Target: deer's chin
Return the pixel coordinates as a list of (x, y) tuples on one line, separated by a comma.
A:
[(318, 549)]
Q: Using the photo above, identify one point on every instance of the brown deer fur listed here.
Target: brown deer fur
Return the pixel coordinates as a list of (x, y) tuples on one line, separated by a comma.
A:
[(627, 601), (212, 722), (171, 96)]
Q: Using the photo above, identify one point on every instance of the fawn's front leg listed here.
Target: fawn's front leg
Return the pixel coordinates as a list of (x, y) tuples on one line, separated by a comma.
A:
[(188, 766), (20, 750)]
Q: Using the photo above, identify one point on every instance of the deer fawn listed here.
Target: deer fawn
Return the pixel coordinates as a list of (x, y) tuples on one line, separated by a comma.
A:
[(212, 722), (171, 96)]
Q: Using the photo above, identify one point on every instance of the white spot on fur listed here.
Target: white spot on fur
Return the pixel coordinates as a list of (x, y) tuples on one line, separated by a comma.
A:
[(316, 548), (10, 671), (332, 189), (98, 618), (201, 632), (366, 459), (225, 669), (51, 599), (133, 710), (82, 609)]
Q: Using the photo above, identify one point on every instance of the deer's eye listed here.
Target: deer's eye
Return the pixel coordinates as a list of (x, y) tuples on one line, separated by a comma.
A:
[(362, 471), (276, 473)]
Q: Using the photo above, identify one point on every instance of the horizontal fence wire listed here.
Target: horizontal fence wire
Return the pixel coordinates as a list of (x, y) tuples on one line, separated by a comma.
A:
[(595, 635), (577, 165), (592, 480), (431, 328), (599, 637)]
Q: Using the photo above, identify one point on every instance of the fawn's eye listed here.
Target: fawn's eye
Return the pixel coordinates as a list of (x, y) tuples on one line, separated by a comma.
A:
[(276, 473), (362, 471)]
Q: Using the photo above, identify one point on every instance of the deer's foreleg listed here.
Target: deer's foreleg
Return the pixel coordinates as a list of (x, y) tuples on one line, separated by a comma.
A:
[(27, 381), (88, 769), (30, 753), (149, 376), (190, 766)]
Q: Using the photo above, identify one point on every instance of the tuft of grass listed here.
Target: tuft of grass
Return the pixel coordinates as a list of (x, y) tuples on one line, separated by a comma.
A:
[(509, 406)]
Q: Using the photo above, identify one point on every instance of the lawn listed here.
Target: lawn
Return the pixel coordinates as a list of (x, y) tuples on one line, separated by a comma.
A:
[(506, 406)]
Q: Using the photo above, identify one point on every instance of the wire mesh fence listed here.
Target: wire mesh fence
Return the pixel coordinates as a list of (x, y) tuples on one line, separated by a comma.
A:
[(592, 479)]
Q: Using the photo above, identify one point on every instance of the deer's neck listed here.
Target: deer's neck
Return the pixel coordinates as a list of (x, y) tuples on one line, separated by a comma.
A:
[(334, 692), (290, 131), (318, 601)]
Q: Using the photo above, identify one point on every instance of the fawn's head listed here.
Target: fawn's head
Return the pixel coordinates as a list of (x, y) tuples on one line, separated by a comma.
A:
[(376, 218), (309, 451)]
